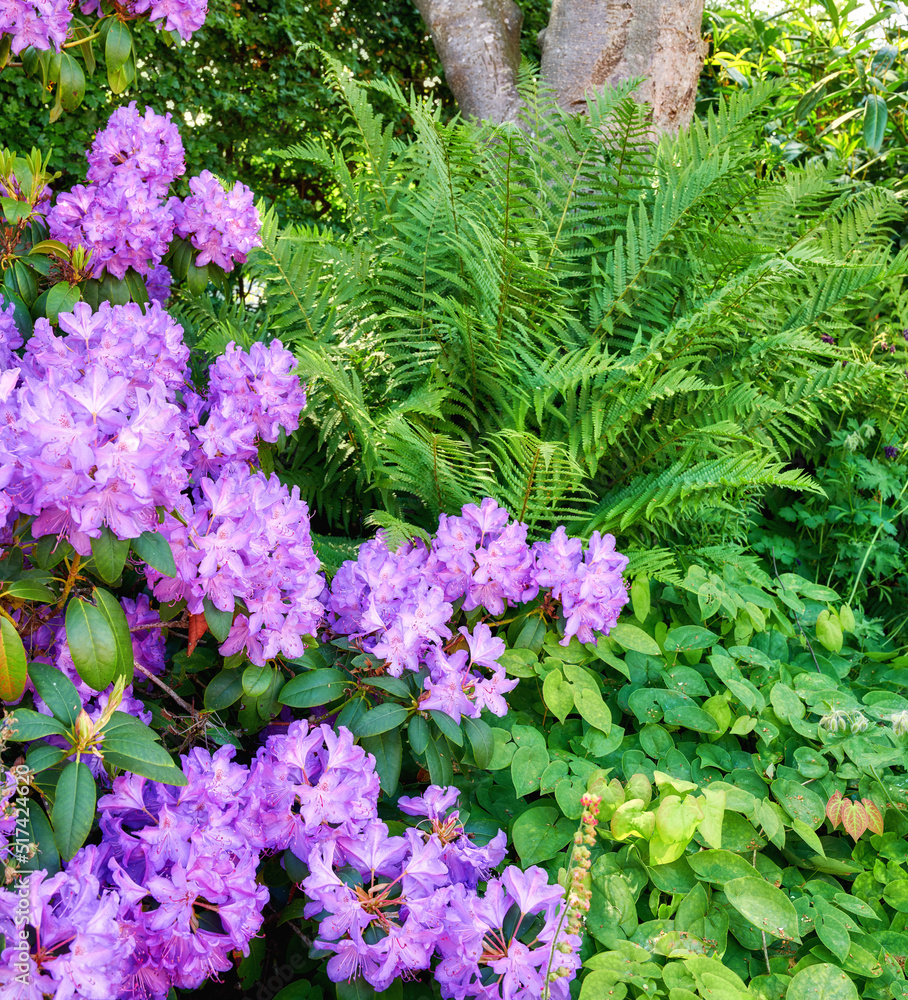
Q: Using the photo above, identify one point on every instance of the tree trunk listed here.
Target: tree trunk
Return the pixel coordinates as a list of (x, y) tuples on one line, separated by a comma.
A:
[(587, 43), (478, 42)]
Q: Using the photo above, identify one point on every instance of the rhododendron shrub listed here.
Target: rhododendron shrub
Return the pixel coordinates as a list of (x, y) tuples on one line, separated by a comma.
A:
[(123, 235), (147, 560), (37, 30), (205, 738)]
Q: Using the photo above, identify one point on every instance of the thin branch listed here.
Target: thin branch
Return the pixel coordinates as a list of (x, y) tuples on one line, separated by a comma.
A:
[(196, 716)]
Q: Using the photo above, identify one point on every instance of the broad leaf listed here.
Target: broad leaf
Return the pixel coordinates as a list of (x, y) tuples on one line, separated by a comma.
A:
[(42, 756), (92, 644), (540, 833), (220, 622), (632, 637), (387, 749), (418, 734), (57, 691), (557, 694), (315, 687), (479, 734), (767, 908), (821, 982), (447, 726), (527, 767), (141, 755), (28, 725), (223, 690), (876, 116), (117, 45), (13, 666), (115, 617), (720, 866), (154, 549), (29, 590), (74, 808), (687, 637), (109, 554), (380, 719)]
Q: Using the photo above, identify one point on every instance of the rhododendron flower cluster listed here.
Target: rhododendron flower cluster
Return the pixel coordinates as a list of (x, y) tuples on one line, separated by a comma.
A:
[(398, 604), (98, 427), (39, 23), (90, 431), (246, 536), (252, 396), (10, 340), (124, 216), (392, 906), (147, 147), (182, 16), (45, 23), (170, 891), (224, 225)]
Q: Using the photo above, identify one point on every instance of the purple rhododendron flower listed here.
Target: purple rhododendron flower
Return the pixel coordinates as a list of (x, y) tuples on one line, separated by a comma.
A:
[(40, 23), (246, 536), (222, 224), (145, 147), (122, 222), (123, 216), (10, 338), (91, 429), (253, 395), (182, 16), (158, 282), (93, 434), (391, 906), (398, 604), (132, 916)]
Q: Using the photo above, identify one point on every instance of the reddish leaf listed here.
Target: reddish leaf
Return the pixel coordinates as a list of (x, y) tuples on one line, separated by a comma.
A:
[(834, 809), (197, 628), (874, 816), (12, 662), (854, 819)]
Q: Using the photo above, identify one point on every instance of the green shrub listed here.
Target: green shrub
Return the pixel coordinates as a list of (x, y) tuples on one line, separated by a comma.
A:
[(853, 537), (841, 78)]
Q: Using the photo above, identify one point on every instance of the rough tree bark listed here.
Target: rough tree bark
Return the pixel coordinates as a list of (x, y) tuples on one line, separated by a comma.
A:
[(478, 42), (587, 43)]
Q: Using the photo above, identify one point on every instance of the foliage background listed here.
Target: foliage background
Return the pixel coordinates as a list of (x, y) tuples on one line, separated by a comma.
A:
[(243, 88)]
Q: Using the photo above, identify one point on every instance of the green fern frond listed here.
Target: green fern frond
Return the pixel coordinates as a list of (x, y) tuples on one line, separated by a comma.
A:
[(396, 532), (586, 326)]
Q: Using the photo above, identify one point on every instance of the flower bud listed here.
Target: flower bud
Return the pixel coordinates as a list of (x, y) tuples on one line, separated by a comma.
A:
[(899, 722), (84, 728), (835, 721), (859, 723)]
